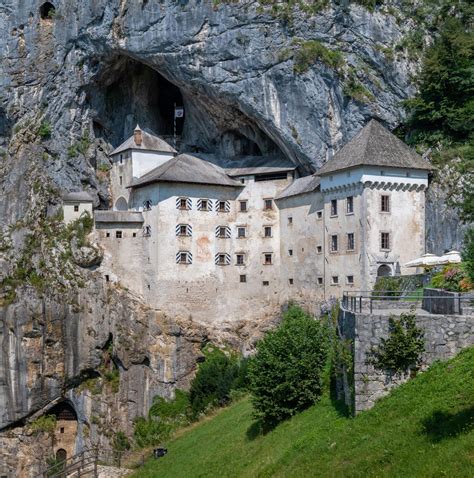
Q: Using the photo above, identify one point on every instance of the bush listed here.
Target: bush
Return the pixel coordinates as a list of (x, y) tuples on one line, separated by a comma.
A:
[(150, 432), (121, 442), (44, 130), (402, 349), (287, 372), (215, 379), (311, 51), (468, 254), (175, 411), (45, 423), (453, 277)]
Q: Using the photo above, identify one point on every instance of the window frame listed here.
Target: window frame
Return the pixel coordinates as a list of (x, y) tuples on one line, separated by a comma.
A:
[(388, 205), (348, 248), (242, 256), (244, 277), (76, 207), (267, 201), (180, 207), (347, 279), (335, 282), (265, 230), (333, 210), (320, 280), (118, 235), (350, 211), (319, 214), (242, 202), (389, 240), (244, 228), (333, 250), (265, 256), (201, 208)]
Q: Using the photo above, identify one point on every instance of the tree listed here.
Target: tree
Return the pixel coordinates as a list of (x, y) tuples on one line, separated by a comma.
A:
[(286, 374)]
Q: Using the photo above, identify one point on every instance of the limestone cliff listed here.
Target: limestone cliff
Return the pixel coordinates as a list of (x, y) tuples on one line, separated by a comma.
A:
[(75, 80)]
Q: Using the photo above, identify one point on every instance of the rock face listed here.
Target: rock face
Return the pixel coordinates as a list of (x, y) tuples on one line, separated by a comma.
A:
[(76, 80)]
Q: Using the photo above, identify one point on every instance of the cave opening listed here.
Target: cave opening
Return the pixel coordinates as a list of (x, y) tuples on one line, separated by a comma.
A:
[(47, 11), (127, 93)]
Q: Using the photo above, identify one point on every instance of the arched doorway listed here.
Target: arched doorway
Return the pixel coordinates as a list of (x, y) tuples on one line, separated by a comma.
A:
[(121, 204), (47, 11), (61, 455), (384, 270)]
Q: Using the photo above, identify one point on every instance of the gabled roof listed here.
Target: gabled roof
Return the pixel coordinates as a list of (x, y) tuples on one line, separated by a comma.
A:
[(185, 168), (150, 142), (80, 196), (118, 216), (374, 145), (306, 184)]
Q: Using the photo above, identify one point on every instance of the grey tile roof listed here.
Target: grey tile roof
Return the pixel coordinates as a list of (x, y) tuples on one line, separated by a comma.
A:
[(118, 216), (80, 196), (150, 142), (374, 145), (185, 168), (250, 165), (302, 185)]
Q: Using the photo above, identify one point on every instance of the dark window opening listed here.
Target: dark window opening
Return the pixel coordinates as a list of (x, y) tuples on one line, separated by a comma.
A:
[(268, 259), (290, 220), (290, 281), (118, 234), (76, 208), (240, 259), (268, 204), (334, 244), (241, 232), (320, 281), (290, 252), (385, 203), (350, 241), (319, 214), (385, 241), (243, 278), (268, 231), (61, 430), (134, 234), (270, 176), (47, 11), (333, 207), (107, 234), (265, 283), (335, 280), (107, 278), (319, 249), (350, 205), (350, 280), (243, 206)]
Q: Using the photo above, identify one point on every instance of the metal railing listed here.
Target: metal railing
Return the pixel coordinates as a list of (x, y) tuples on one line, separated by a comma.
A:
[(361, 301)]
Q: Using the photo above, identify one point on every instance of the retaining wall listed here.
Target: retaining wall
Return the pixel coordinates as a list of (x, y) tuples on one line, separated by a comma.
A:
[(445, 336)]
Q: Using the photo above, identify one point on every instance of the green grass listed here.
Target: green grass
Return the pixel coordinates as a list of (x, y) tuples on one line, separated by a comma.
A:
[(425, 428)]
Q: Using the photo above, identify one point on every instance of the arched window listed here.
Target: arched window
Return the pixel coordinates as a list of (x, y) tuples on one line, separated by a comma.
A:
[(384, 270), (121, 204), (47, 11)]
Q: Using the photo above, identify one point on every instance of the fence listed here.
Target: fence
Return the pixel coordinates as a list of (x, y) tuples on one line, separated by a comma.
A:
[(433, 301)]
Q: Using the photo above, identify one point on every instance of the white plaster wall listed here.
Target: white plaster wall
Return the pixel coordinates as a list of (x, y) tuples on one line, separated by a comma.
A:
[(71, 215), (120, 169), (144, 161), (302, 235)]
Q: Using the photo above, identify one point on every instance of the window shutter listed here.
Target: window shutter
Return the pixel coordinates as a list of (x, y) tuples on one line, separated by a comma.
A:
[(189, 229), (227, 233), (227, 207), (226, 259)]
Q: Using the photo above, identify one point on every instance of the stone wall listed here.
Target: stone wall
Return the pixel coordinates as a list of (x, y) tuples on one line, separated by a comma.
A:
[(445, 336)]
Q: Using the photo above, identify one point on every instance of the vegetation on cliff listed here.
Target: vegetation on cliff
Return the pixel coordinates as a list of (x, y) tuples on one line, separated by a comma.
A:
[(423, 428)]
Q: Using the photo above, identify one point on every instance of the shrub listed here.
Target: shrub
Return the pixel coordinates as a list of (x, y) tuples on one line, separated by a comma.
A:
[(176, 411), (402, 349), (452, 277), (287, 372), (150, 432), (468, 254), (121, 442), (45, 423), (44, 130), (311, 51), (215, 379)]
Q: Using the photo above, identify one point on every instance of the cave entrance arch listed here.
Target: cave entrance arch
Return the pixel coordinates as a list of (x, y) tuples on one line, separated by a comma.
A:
[(47, 11), (384, 271), (65, 432)]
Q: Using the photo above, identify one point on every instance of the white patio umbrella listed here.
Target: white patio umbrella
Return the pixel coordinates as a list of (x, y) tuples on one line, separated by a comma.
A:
[(426, 260), (451, 257)]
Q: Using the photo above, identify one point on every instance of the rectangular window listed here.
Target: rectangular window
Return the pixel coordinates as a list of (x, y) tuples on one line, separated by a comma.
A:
[(290, 220), (183, 230), (222, 232), (385, 203), (243, 278), (204, 205), (121, 180), (350, 241), (334, 244), (183, 258), (267, 259), (290, 252), (350, 280), (335, 280), (320, 281), (183, 203), (134, 234), (268, 204), (268, 231), (385, 241), (333, 207), (350, 204), (319, 249), (76, 208), (265, 283), (107, 278), (118, 234), (243, 206), (222, 206), (107, 234), (290, 281), (221, 259), (240, 259), (121, 159), (319, 214), (241, 232)]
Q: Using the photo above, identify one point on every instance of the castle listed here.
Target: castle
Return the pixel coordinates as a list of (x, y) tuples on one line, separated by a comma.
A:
[(225, 240)]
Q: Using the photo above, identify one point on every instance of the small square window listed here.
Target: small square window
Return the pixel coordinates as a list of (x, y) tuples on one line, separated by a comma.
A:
[(240, 259), (265, 283), (134, 234), (334, 243), (320, 281), (268, 231), (204, 205), (243, 278), (243, 206), (268, 259), (290, 281), (349, 204), (290, 252), (350, 280), (76, 208), (268, 204), (290, 220), (333, 207), (183, 258), (335, 280), (222, 206), (385, 241), (61, 430), (350, 241), (107, 234), (385, 203), (107, 278), (319, 249), (183, 203), (222, 232), (241, 232), (183, 230), (242, 180), (221, 259), (118, 234), (319, 214)]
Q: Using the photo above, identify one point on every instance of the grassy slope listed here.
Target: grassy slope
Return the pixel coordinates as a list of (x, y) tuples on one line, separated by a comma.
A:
[(423, 429)]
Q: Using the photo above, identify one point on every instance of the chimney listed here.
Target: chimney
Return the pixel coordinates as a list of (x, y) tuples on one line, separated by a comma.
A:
[(137, 136)]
